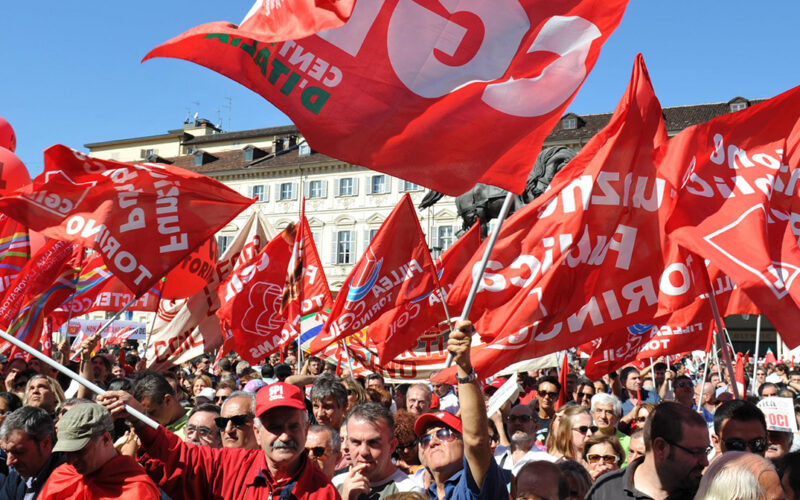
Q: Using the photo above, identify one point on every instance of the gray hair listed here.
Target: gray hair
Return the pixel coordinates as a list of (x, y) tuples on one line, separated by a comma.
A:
[(734, 474), (372, 412), (424, 387), (35, 422), (607, 399), (336, 439), (329, 386), (241, 394)]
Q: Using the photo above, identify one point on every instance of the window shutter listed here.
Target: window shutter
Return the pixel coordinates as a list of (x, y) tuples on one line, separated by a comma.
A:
[(306, 187), (335, 243), (294, 190), (355, 186), (369, 184), (266, 192), (337, 184), (353, 242), (324, 189), (435, 237)]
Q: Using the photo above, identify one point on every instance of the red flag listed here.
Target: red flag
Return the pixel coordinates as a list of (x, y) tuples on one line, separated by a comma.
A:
[(735, 185), (14, 250), (395, 269), (769, 358), (562, 380), (374, 91), (589, 256), (46, 281), (398, 329), (143, 218), (275, 21), (739, 375), (250, 314)]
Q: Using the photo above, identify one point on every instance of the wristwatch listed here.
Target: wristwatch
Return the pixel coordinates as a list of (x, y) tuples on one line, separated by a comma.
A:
[(472, 377)]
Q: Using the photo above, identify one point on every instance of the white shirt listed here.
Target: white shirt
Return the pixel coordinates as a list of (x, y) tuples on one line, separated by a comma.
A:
[(449, 402), (502, 455)]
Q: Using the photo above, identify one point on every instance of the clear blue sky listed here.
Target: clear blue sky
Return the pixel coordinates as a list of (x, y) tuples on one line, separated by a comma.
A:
[(71, 72)]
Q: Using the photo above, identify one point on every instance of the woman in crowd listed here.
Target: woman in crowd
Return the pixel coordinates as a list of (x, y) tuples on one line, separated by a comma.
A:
[(574, 427), (199, 383), (355, 393), (578, 479), (636, 418), (407, 451), (602, 453), (8, 403)]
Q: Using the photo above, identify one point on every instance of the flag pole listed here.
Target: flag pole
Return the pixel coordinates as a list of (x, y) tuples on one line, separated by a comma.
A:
[(149, 334), (755, 356), (74, 376), (485, 260), (726, 355), (703, 384), (347, 357), (116, 315)]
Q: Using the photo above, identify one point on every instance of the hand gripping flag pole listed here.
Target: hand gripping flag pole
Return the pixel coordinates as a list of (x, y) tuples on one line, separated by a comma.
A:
[(74, 376), (489, 247)]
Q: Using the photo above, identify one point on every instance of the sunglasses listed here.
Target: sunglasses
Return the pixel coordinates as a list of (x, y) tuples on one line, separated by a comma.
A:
[(581, 395), (757, 445), (443, 435), (238, 421), (586, 428), (317, 451), (551, 395), (607, 459), (523, 419)]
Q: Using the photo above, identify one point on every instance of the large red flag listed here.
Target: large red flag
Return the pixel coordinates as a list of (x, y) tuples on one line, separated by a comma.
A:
[(738, 202), (399, 329), (275, 21), (589, 256), (14, 250), (142, 218), (395, 269), (375, 91), (250, 315)]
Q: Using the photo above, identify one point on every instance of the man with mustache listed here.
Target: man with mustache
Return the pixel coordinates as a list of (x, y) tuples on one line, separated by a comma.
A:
[(280, 469)]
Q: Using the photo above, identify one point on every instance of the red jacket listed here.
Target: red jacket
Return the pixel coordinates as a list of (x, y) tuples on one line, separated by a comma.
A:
[(120, 477), (185, 470)]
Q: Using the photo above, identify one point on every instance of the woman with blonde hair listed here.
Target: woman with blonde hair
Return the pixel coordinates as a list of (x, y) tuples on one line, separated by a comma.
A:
[(574, 427), (199, 383), (43, 392), (355, 393)]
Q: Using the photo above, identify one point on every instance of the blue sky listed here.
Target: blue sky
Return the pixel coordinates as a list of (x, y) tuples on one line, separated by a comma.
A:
[(71, 71)]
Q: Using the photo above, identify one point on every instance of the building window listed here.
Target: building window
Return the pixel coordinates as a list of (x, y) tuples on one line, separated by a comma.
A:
[(287, 191), (317, 237), (406, 186), (304, 149), (347, 186), (570, 123), (259, 192), (443, 239), (317, 189), (377, 184), (738, 106), (147, 152), (344, 247), (223, 242)]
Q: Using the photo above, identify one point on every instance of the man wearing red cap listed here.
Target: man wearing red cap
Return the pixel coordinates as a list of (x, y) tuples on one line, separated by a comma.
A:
[(457, 451), (280, 469)]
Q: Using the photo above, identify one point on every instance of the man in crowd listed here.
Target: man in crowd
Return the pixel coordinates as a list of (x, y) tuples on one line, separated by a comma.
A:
[(200, 472), (547, 394), (324, 446), (371, 443), (237, 421), (315, 366), (636, 445), (27, 436), (632, 390), (740, 426), (94, 468), (329, 401), (201, 428), (375, 381), (448, 400), (158, 399), (767, 390), (456, 451), (418, 399), (540, 480), (583, 393), (521, 424), (684, 394), (676, 443), (606, 412), (707, 399)]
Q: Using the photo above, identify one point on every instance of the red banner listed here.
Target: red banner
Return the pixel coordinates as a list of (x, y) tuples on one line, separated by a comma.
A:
[(398, 330), (738, 205), (142, 218), (250, 314), (375, 91), (589, 256), (395, 269), (274, 21), (14, 250)]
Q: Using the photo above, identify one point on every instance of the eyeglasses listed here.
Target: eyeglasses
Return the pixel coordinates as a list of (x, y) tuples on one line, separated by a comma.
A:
[(523, 419), (238, 421), (586, 428), (317, 451), (608, 459), (202, 431), (551, 395), (757, 445), (444, 435), (697, 453), (581, 395)]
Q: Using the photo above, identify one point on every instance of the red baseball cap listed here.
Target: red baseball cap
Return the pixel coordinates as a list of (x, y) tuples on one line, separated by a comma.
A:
[(277, 395), (441, 418), (496, 384)]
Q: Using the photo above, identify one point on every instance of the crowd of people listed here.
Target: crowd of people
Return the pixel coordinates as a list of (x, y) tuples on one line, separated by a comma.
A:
[(274, 431)]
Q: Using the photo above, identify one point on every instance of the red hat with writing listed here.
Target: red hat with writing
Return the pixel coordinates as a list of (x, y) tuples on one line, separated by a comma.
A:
[(427, 420), (277, 395)]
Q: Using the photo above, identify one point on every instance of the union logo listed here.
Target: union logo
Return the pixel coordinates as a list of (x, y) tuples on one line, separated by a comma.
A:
[(263, 314), (365, 277)]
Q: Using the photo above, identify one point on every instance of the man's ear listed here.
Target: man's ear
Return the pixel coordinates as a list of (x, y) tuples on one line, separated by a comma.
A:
[(717, 442)]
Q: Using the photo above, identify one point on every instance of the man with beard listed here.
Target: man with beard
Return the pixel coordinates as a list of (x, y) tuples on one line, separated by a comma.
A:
[(676, 443), (521, 425), (280, 469)]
